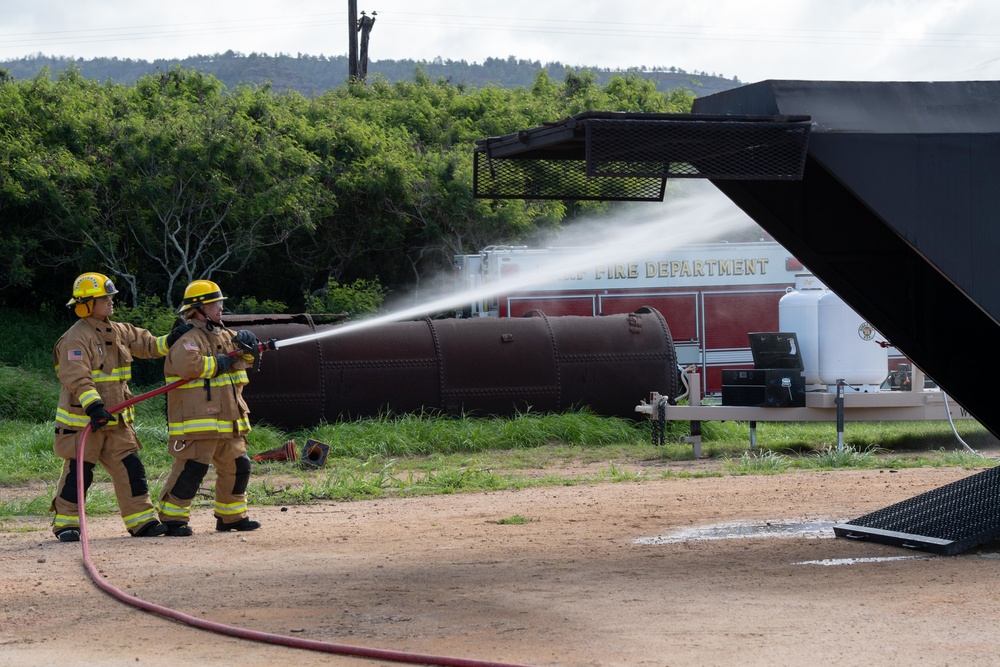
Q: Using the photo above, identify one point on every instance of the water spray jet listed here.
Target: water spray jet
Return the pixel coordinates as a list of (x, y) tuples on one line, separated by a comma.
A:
[(697, 217)]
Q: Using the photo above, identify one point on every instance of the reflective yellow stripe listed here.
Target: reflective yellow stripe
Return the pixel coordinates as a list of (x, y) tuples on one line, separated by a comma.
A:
[(199, 426), (66, 521), (193, 384), (133, 520), (239, 377), (224, 380), (229, 509), (116, 375), (70, 420), (174, 511), (161, 345), (74, 421), (89, 396), (207, 425)]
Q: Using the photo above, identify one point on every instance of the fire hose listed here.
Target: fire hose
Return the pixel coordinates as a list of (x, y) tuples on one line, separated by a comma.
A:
[(222, 628)]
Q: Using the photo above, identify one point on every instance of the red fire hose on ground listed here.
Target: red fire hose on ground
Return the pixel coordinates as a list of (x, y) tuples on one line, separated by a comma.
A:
[(232, 631)]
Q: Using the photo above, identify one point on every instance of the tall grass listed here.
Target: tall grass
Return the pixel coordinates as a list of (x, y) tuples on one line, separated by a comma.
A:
[(762, 462), (27, 394), (415, 435), (832, 458)]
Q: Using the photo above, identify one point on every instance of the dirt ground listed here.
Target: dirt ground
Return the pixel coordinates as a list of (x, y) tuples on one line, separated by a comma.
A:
[(582, 583)]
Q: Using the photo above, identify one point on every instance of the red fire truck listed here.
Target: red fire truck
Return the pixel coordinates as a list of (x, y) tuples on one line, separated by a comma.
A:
[(711, 294)]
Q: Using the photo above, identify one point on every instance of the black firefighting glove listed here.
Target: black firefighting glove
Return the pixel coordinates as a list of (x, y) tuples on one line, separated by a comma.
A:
[(98, 415), (247, 340), (222, 363), (177, 332)]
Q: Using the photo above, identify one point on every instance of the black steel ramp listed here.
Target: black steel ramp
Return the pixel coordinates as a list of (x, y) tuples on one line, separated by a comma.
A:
[(946, 521)]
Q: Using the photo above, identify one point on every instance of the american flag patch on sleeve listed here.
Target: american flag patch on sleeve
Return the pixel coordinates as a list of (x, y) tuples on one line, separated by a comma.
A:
[(188, 345), (75, 355)]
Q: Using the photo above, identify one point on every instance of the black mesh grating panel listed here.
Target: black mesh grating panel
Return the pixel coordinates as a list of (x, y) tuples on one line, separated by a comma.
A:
[(628, 157), (948, 520), (697, 149), (556, 179)]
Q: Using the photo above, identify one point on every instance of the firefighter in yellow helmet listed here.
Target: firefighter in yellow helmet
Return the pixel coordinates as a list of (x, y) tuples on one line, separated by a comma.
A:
[(93, 360), (207, 418)]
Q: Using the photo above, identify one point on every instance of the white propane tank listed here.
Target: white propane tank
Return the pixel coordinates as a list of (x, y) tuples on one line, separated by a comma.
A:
[(798, 311), (849, 348)]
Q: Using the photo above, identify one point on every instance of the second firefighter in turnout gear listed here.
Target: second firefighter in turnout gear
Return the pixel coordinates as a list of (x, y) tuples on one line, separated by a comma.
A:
[(207, 418), (93, 360)]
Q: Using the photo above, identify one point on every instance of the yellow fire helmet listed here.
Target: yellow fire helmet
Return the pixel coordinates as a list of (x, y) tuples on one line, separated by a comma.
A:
[(86, 288), (198, 293)]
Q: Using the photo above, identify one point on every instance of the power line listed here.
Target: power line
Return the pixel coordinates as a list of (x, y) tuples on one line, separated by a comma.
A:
[(505, 24)]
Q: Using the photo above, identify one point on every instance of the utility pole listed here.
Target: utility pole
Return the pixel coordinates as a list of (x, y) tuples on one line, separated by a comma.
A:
[(365, 26), (352, 40)]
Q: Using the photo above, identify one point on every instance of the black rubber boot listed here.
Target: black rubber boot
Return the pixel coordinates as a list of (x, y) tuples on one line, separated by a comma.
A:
[(69, 535), (178, 529), (152, 529), (241, 525)]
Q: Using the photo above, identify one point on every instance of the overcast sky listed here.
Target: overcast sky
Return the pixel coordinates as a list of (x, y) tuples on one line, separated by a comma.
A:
[(873, 40)]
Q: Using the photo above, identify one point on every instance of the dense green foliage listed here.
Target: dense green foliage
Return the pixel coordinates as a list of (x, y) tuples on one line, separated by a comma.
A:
[(273, 195), (362, 297)]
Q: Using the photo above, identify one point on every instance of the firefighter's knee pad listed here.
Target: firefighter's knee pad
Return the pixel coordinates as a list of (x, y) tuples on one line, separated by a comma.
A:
[(189, 480), (136, 475), (69, 491), (242, 475)]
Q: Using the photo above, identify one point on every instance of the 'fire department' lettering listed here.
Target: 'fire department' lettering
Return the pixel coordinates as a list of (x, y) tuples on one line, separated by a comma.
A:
[(701, 268), (617, 271)]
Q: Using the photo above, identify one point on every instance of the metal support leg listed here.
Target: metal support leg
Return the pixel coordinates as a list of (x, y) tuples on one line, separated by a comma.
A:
[(696, 438), (840, 415), (753, 435)]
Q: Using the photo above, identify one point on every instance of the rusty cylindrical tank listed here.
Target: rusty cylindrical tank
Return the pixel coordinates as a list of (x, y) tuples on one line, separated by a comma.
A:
[(480, 367)]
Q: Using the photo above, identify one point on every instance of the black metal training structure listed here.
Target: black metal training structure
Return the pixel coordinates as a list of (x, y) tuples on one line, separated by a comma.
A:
[(894, 204)]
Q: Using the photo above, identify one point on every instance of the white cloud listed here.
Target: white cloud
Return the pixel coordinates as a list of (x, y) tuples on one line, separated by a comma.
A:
[(768, 39)]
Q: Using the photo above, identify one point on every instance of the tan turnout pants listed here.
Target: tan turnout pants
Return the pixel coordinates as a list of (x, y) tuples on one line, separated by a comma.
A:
[(191, 461), (116, 449)]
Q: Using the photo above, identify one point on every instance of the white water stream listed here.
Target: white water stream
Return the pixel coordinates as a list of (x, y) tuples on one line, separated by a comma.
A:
[(698, 217)]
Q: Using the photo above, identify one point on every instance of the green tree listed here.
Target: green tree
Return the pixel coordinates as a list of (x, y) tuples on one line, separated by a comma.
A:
[(273, 195), (210, 179), (357, 299)]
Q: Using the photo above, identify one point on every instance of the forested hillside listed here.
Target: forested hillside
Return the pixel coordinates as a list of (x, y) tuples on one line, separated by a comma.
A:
[(311, 75), (273, 193)]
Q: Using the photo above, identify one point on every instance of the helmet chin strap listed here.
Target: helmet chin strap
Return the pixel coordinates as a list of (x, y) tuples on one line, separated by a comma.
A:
[(209, 322)]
